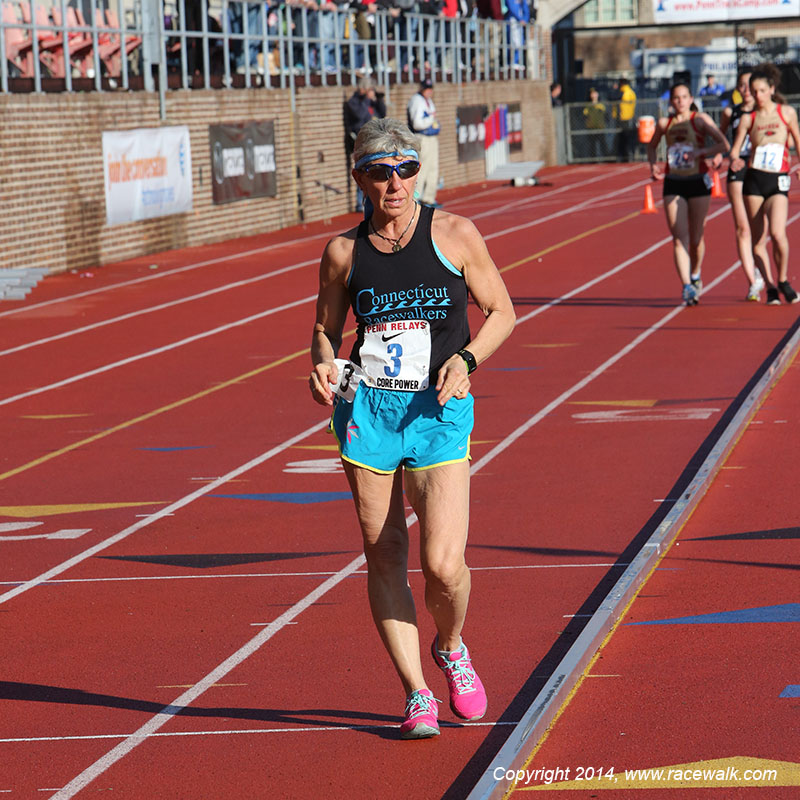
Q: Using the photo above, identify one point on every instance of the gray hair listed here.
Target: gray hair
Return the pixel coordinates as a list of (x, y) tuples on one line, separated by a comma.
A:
[(384, 136)]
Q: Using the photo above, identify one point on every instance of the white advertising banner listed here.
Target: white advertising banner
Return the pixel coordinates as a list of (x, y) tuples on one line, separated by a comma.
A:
[(723, 10), (148, 173)]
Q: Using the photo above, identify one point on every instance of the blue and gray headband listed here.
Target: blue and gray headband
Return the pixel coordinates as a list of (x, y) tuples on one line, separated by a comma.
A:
[(368, 159)]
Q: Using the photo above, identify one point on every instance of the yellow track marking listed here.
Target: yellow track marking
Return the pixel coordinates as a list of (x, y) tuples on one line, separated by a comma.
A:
[(565, 242), (69, 508), (150, 414), (53, 416), (557, 344)]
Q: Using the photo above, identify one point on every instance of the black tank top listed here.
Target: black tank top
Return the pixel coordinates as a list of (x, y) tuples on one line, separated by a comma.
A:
[(412, 284)]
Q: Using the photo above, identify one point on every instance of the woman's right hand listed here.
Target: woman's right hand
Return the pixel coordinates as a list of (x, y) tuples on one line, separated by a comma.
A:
[(322, 376)]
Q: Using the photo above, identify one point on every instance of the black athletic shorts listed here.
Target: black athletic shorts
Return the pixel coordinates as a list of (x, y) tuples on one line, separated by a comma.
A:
[(694, 186), (738, 176), (765, 184)]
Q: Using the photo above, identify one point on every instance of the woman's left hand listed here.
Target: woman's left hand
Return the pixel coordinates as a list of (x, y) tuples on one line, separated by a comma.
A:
[(453, 380)]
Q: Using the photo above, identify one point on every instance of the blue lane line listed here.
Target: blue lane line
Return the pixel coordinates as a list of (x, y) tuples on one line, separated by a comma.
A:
[(173, 449), (792, 690), (789, 612), (299, 498)]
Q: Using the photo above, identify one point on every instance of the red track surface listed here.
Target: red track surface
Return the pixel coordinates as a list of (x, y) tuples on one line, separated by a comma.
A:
[(192, 416), (701, 677)]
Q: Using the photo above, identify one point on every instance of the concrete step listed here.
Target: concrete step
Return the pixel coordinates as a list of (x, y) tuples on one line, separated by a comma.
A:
[(15, 284)]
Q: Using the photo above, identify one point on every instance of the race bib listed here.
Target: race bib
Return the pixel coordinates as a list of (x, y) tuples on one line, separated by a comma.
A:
[(708, 181), (679, 156), (784, 183), (397, 355), (768, 157), (349, 376)]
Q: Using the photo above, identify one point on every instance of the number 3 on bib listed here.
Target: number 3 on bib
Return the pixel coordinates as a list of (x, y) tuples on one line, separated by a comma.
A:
[(394, 351), (397, 355)]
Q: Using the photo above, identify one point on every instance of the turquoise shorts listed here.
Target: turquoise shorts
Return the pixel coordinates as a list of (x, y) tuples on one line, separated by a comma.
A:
[(384, 429)]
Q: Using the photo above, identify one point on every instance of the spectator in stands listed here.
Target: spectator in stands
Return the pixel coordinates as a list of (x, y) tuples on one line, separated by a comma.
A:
[(490, 9), (432, 9), (236, 14), (518, 15), (406, 32), (422, 121), (195, 59), (451, 11), (712, 88), (364, 104), (332, 18), (363, 24)]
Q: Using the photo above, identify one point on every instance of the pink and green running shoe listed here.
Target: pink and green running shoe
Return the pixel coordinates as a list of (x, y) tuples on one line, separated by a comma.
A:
[(421, 716), (467, 695)]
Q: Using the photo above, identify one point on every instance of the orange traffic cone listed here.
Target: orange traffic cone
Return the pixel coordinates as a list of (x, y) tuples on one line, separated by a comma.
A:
[(649, 205), (716, 186)]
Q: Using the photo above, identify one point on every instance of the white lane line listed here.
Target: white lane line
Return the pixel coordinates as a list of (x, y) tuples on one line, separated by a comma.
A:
[(219, 673), (160, 307), (564, 211), (249, 575), (517, 204), (157, 351), (502, 188), (613, 271), (184, 501), (581, 384), (250, 731), (164, 274)]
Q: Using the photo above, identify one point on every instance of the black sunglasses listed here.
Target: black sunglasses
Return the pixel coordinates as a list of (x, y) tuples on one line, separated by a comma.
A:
[(383, 172)]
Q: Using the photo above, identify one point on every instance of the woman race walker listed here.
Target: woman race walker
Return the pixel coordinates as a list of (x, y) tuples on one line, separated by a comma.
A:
[(767, 180), (402, 410), (687, 183), (753, 268)]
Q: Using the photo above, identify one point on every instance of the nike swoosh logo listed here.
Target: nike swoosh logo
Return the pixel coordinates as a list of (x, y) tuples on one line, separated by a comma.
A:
[(393, 336)]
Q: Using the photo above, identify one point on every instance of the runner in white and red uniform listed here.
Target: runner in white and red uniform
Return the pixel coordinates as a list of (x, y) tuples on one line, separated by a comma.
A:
[(767, 180), (757, 271), (687, 184)]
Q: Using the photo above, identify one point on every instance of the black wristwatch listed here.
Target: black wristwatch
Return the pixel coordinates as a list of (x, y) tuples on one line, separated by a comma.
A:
[(469, 360)]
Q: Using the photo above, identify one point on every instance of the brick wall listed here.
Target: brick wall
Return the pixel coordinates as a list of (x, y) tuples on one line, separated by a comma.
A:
[(52, 206)]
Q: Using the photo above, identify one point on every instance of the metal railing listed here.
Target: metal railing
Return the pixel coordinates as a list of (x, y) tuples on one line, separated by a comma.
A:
[(232, 44)]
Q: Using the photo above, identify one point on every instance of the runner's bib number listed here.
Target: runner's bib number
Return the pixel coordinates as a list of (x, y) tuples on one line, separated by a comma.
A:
[(397, 355), (769, 157), (349, 376), (679, 156), (784, 183)]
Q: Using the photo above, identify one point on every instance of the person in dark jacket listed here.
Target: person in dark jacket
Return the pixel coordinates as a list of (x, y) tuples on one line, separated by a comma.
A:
[(364, 104)]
